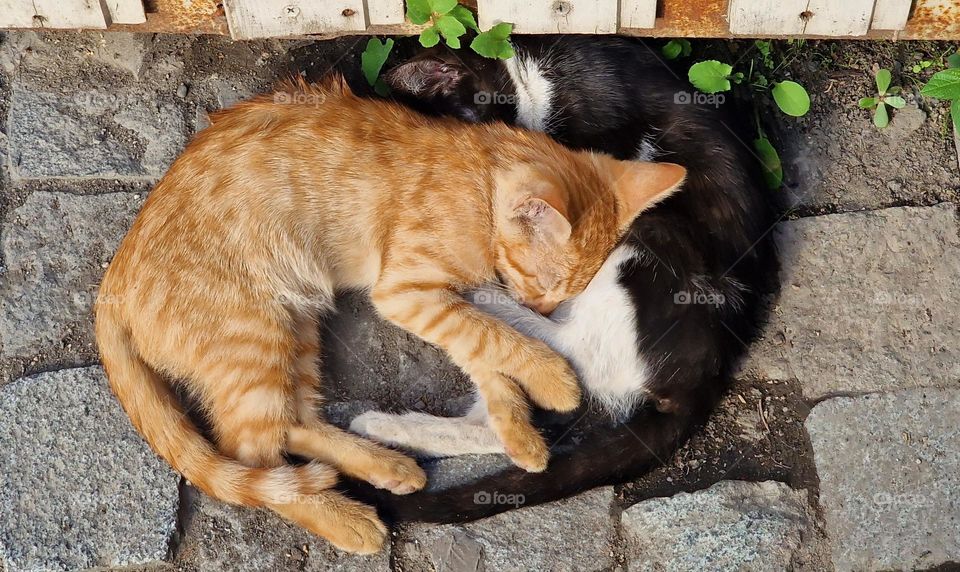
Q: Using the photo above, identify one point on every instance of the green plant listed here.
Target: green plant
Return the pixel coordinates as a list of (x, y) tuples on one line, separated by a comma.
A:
[(712, 76), (676, 48), (921, 65), (371, 62), (954, 61), (448, 19), (886, 96), (945, 85)]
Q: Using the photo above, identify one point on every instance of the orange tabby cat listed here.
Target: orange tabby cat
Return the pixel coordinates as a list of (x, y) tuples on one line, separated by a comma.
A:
[(286, 199)]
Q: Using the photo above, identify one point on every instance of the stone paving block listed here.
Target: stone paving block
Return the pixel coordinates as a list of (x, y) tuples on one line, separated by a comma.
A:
[(81, 489), (889, 467), (868, 302), (56, 247), (224, 537), (572, 534), (92, 133), (733, 525)]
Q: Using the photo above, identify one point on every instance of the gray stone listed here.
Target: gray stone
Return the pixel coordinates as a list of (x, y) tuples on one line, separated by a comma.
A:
[(868, 302), (90, 133), (733, 525), (122, 50), (56, 247), (224, 537), (81, 488), (889, 467), (571, 534)]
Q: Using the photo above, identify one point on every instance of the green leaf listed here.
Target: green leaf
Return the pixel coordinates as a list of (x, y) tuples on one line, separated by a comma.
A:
[(381, 88), (737, 77), (943, 85), (494, 43), (770, 161), (915, 68), (418, 11), (442, 7), (687, 47), (373, 58), (883, 81), (466, 17), (880, 117), (429, 37), (452, 29), (763, 46), (955, 114), (710, 76), (954, 61), (867, 102), (672, 49), (895, 101), (791, 98)]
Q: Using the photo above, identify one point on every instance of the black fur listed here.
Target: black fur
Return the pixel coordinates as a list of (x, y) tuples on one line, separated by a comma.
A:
[(710, 239)]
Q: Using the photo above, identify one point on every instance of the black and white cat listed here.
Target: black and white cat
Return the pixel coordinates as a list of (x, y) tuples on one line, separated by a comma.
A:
[(655, 334)]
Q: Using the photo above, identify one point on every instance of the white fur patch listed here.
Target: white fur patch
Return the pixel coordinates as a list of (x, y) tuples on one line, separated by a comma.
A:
[(534, 92), (648, 150), (599, 336)]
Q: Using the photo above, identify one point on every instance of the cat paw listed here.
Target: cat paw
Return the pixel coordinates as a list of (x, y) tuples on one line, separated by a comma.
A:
[(357, 530), (396, 473), (549, 381), (527, 449)]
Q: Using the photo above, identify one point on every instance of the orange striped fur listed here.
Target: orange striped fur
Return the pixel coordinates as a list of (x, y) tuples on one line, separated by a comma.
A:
[(288, 198)]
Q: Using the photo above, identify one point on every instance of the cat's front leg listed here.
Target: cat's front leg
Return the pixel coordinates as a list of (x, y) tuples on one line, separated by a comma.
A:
[(476, 341), (493, 355)]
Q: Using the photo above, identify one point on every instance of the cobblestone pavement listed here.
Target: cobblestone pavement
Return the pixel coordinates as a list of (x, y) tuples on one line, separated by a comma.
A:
[(838, 447)]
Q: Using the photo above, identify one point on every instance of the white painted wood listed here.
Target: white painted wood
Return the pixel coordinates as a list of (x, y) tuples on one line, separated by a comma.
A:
[(126, 11), (890, 14), (551, 16), (53, 14), (638, 13), (839, 17), (766, 17), (385, 12), (281, 18), (783, 17)]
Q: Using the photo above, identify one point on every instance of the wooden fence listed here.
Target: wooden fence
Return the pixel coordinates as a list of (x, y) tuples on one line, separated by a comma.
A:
[(243, 19)]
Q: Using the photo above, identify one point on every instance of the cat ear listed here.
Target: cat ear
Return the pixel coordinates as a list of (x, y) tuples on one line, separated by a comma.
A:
[(543, 219), (425, 77), (639, 185)]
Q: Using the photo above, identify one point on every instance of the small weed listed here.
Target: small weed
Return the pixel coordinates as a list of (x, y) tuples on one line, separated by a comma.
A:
[(886, 96)]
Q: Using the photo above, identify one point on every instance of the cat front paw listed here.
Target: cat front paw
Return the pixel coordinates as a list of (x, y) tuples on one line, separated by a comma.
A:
[(549, 380)]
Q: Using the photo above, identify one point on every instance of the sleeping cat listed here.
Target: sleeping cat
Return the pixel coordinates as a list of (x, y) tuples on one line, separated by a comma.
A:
[(669, 313), (241, 246)]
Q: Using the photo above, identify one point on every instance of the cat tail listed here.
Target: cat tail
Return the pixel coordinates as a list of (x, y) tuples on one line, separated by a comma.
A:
[(155, 411), (606, 456)]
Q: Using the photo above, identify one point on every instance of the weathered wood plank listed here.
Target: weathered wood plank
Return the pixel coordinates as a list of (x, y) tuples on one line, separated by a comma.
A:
[(126, 11), (545, 17), (839, 17), (385, 12), (638, 13), (283, 18), (890, 14), (767, 17), (54, 14)]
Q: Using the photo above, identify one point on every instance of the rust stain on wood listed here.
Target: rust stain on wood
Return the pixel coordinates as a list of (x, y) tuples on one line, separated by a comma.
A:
[(183, 17), (934, 19), (693, 18)]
